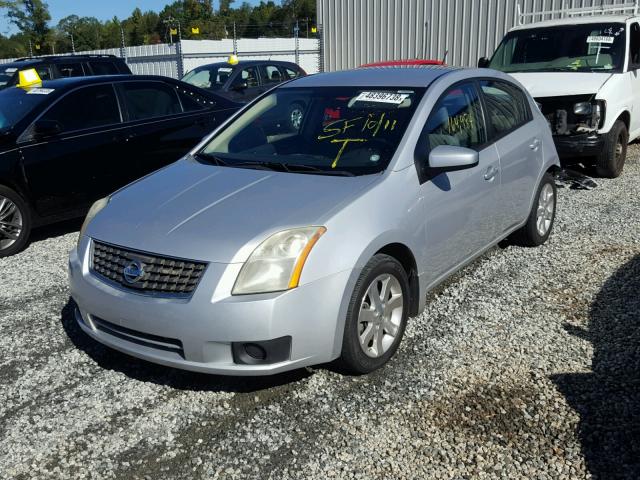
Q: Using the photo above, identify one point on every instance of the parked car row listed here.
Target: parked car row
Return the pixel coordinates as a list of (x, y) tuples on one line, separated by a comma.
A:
[(317, 211)]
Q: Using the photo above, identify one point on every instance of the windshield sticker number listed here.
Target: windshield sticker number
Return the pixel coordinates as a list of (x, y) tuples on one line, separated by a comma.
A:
[(600, 39), (382, 97), (40, 91)]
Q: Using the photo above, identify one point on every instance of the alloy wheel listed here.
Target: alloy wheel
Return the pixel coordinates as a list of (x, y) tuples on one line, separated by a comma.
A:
[(10, 223), (380, 315), (546, 208), (296, 118)]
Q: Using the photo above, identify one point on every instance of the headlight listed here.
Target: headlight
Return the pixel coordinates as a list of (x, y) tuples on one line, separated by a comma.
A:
[(276, 264), (93, 211), (582, 108)]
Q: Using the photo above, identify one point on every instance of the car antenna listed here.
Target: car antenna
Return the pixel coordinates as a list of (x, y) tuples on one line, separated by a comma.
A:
[(444, 57)]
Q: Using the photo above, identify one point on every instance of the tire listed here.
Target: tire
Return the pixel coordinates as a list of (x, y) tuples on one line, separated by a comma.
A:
[(536, 231), (382, 274), (15, 222), (610, 162), (295, 115)]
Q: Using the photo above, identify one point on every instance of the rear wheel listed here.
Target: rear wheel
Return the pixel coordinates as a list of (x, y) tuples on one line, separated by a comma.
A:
[(542, 216), (610, 162), (377, 315), (15, 222)]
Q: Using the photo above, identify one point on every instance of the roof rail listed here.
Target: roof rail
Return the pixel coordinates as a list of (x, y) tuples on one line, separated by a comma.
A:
[(630, 7)]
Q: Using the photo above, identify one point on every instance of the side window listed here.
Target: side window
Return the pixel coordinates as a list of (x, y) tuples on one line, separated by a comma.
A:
[(104, 68), (70, 69), (291, 73), (148, 100), (270, 74), (193, 101), (634, 46), (507, 106), (250, 76), (87, 107), (457, 119), (44, 72)]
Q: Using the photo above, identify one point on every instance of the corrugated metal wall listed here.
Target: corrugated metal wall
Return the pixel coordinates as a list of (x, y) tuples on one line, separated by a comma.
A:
[(363, 31)]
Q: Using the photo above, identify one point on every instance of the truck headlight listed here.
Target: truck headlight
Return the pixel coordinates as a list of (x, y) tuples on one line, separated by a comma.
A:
[(583, 108), (276, 264), (93, 211)]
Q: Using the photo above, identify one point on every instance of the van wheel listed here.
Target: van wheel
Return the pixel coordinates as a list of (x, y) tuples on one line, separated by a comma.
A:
[(377, 315), (15, 222), (542, 216), (610, 162)]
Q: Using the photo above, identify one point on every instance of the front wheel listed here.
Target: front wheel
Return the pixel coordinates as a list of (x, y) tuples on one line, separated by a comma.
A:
[(610, 162), (377, 315), (542, 216), (15, 222)]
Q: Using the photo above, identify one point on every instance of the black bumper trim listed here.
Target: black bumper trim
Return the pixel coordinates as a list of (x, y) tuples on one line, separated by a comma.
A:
[(585, 145), (262, 352)]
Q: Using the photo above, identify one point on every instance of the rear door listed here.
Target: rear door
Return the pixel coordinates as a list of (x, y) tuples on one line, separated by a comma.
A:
[(164, 120), (519, 145), (459, 204), (69, 69), (86, 160)]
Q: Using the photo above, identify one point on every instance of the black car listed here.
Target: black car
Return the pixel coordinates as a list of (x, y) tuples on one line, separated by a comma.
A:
[(245, 80), (70, 141), (63, 66)]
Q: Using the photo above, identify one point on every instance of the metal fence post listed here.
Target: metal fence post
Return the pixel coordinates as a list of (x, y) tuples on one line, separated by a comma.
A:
[(320, 49), (235, 40), (179, 59), (123, 50), (297, 42)]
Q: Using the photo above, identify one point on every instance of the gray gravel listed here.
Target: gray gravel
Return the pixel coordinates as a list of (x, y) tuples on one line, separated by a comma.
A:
[(525, 365)]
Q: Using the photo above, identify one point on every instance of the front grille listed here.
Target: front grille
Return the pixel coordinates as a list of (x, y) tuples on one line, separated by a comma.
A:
[(159, 276), (140, 338)]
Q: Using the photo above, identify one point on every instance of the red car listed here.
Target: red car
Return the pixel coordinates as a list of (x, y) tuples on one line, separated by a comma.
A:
[(396, 63)]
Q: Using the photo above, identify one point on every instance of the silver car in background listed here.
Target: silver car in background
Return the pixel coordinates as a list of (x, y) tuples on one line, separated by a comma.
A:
[(273, 246)]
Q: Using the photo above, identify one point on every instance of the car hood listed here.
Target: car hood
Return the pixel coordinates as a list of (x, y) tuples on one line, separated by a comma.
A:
[(559, 84), (209, 213)]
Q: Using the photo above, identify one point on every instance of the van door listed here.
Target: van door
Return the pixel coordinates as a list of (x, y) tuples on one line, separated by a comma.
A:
[(460, 204), (85, 160), (517, 136), (633, 76)]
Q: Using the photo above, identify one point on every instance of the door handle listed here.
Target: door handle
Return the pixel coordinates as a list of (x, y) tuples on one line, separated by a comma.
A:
[(535, 145), (490, 173)]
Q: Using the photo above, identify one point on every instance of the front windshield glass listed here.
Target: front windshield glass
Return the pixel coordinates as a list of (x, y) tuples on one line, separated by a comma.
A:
[(328, 130), (16, 103), (209, 77), (7, 75), (592, 47)]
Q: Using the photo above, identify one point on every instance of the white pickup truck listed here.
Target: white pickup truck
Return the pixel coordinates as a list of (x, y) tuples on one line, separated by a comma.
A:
[(584, 73)]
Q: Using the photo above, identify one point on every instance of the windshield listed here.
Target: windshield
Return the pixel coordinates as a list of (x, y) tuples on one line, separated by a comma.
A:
[(592, 47), (7, 75), (328, 130), (16, 103), (210, 77)]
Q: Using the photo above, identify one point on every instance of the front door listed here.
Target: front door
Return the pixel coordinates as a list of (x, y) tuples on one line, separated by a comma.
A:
[(68, 171), (459, 204), (245, 85)]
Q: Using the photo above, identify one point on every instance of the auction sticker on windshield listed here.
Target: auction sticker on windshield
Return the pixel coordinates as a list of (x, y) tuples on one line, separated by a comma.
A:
[(600, 39), (40, 91), (382, 97)]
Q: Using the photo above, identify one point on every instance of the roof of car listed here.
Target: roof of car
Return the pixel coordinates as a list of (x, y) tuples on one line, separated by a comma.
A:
[(396, 76), (70, 82), (28, 61), (247, 63), (576, 21)]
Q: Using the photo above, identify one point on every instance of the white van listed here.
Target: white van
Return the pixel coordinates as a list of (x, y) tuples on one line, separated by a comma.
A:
[(584, 73)]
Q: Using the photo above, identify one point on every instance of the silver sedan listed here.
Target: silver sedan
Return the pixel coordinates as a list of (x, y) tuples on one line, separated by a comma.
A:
[(282, 242)]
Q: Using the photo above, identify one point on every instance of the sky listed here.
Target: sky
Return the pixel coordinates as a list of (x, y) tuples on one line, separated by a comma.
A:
[(101, 9)]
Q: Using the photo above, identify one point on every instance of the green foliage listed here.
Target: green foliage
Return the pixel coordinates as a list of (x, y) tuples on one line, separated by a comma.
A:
[(269, 18)]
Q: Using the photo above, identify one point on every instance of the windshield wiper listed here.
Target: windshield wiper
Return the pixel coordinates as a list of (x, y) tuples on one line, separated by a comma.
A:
[(293, 167), (275, 166), (209, 157)]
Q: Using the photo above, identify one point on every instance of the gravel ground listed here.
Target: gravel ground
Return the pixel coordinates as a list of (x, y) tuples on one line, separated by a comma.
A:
[(525, 365)]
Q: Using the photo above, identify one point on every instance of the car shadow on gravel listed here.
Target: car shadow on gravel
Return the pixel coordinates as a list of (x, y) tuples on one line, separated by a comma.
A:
[(144, 371), (608, 399)]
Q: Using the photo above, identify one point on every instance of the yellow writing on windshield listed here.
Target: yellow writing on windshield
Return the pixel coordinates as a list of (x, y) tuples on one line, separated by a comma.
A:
[(345, 142)]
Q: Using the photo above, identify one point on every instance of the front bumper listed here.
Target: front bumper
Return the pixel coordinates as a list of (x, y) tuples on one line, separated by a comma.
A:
[(199, 333), (583, 145)]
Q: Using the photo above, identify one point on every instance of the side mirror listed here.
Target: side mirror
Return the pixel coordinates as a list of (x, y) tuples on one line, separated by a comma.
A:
[(448, 157), (46, 128), (483, 62), (240, 86)]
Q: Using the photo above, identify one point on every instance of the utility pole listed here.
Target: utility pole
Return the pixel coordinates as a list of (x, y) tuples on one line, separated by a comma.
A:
[(123, 50), (170, 22), (235, 40), (73, 45), (30, 49)]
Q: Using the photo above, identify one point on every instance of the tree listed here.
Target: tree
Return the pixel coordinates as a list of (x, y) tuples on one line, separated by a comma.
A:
[(30, 16)]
